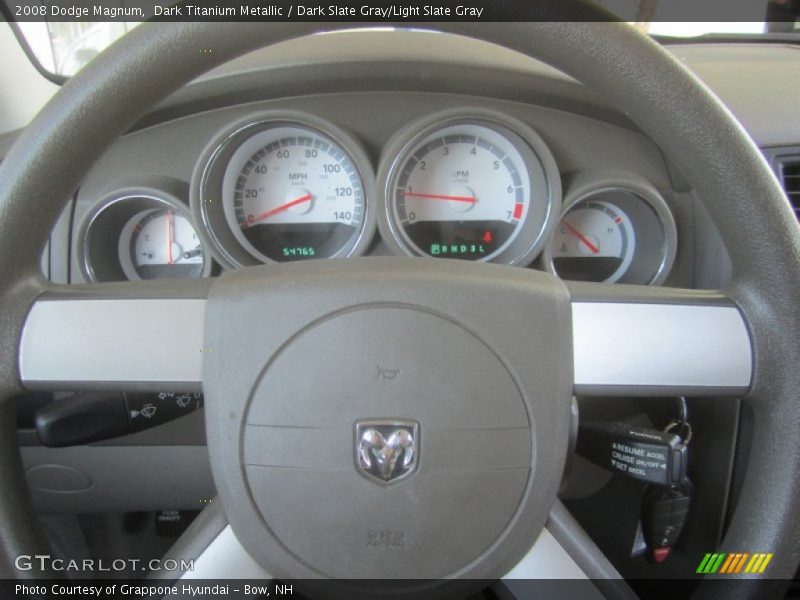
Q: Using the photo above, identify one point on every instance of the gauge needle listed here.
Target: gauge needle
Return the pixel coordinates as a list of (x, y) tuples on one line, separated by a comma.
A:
[(276, 210), (470, 199), (169, 237), (581, 237)]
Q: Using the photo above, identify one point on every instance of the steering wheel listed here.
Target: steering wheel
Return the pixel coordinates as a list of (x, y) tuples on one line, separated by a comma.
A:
[(489, 356)]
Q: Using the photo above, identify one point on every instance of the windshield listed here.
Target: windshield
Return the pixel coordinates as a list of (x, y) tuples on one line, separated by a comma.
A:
[(62, 48)]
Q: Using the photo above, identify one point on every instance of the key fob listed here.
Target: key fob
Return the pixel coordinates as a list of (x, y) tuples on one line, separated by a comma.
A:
[(664, 512)]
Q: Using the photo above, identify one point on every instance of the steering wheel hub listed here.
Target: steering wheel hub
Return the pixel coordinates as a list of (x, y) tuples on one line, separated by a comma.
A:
[(397, 420)]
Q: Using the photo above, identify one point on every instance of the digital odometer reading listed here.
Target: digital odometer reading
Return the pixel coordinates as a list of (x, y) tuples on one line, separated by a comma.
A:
[(301, 251), (297, 195)]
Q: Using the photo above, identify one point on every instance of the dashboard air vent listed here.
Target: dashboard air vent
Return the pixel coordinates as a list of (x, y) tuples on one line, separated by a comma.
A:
[(790, 175)]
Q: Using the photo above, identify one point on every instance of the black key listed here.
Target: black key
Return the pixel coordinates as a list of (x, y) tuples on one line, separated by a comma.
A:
[(664, 512)]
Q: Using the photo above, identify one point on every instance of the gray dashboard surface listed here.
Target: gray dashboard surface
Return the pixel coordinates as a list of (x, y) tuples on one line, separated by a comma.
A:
[(760, 83)]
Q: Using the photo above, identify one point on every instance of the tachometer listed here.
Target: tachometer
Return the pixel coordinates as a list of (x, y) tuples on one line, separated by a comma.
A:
[(286, 190), (477, 187)]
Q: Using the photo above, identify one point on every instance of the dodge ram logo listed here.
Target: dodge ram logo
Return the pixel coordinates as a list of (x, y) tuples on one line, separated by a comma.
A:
[(386, 451)]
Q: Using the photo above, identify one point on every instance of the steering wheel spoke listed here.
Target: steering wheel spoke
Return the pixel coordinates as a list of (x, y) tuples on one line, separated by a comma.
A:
[(626, 340), (143, 336), (641, 341), (561, 551)]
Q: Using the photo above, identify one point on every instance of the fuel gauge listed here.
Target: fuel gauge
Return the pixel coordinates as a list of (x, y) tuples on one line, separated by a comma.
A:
[(161, 243)]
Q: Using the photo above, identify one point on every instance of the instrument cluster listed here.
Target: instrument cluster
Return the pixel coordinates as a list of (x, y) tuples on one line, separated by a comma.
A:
[(465, 184)]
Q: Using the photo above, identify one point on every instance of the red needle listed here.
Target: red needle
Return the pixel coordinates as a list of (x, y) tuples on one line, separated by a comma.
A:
[(581, 237), (169, 237), (469, 199), (278, 209)]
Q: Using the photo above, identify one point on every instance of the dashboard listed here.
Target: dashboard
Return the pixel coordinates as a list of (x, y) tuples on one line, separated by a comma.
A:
[(216, 177), (468, 183), (479, 155), (391, 162), (170, 198)]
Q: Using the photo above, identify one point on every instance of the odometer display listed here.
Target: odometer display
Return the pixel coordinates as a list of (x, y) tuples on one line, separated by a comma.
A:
[(471, 189), (293, 193)]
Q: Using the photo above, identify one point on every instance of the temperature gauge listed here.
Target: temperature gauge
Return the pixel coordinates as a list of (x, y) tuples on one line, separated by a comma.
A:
[(614, 235), (161, 244), (594, 242)]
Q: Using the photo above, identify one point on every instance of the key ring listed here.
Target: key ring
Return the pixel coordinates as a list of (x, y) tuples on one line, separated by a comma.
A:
[(685, 432), (683, 410)]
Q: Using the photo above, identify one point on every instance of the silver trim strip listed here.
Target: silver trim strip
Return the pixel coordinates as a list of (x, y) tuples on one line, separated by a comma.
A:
[(661, 346), (225, 558), (150, 343), (126, 341), (547, 559)]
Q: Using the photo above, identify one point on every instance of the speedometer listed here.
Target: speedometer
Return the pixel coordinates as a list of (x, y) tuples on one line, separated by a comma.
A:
[(475, 187), (292, 193), (282, 190)]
